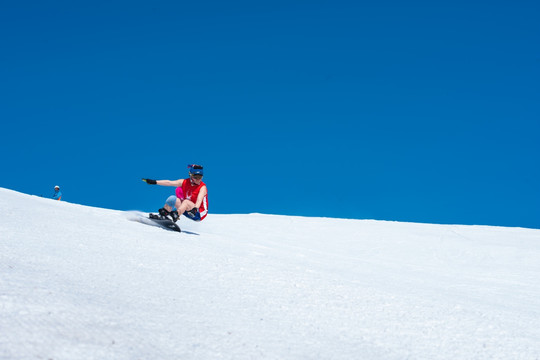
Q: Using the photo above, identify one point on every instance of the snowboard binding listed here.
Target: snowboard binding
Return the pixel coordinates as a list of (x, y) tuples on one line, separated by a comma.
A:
[(164, 214)]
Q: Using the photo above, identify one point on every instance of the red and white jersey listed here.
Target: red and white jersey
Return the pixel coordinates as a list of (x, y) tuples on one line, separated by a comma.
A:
[(191, 192)]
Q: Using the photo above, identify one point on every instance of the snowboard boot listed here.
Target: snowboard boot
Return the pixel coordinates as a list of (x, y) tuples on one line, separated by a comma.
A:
[(174, 215), (164, 213)]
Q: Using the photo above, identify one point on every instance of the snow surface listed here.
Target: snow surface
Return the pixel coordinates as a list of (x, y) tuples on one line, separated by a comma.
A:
[(78, 282)]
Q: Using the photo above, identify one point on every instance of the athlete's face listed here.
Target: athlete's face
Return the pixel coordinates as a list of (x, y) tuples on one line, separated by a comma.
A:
[(196, 178)]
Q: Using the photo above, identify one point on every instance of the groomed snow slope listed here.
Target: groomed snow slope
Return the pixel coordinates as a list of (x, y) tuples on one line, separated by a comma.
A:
[(86, 283)]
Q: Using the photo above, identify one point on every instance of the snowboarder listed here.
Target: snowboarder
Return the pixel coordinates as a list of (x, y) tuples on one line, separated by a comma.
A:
[(191, 197), (57, 193)]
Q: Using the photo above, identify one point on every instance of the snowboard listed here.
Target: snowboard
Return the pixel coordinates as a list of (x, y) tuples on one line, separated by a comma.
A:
[(166, 224), (144, 218)]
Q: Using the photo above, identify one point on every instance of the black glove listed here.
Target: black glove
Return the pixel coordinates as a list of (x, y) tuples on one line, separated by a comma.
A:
[(150, 181), (192, 213)]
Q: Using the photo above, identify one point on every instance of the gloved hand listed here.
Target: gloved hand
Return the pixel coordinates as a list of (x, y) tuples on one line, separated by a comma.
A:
[(192, 213), (150, 181)]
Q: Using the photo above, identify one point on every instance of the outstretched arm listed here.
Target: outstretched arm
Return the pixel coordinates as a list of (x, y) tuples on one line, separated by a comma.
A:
[(164, 182)]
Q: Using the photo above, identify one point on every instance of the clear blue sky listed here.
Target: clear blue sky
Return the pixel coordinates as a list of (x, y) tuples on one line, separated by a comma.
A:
[(419, 111)]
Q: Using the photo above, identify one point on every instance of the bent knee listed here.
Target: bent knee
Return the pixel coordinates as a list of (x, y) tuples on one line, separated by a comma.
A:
[(171, 201)]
